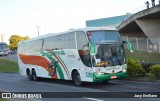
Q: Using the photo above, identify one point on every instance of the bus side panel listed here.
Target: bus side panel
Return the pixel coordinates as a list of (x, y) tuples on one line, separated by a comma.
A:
[(28, 61), (85, 72), (22, 68), (73, 62)]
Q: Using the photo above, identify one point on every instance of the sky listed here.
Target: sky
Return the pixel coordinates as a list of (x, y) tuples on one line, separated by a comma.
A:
[(21, 17)]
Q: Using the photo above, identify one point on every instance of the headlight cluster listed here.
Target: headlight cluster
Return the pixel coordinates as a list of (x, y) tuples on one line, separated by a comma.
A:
[(100, 73), (102, 64)]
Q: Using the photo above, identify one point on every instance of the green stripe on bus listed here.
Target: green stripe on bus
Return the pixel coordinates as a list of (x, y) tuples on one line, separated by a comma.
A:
[(59, 70), (107, 77), (61, 65), (64, 65)]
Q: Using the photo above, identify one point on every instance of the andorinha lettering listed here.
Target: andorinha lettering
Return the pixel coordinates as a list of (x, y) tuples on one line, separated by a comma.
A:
[(107, 41)]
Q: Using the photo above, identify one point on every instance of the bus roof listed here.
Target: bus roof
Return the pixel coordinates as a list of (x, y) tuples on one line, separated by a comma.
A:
[(2, 43), (71, 30)]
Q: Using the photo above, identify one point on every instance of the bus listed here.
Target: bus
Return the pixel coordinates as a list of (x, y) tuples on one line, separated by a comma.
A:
[(90, 54), (4, 50)]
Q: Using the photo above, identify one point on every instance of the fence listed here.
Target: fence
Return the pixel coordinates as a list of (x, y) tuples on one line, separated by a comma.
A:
[(144, 44)]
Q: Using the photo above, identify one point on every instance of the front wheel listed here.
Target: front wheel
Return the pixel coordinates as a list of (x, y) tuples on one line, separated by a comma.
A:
[(77, 78)]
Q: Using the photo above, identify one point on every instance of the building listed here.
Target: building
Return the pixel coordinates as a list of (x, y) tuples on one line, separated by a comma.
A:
[(107, 22)]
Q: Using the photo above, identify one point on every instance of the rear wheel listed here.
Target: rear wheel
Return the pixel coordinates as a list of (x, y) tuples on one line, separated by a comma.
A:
[(77, 78), (29, 75), (34, 75)]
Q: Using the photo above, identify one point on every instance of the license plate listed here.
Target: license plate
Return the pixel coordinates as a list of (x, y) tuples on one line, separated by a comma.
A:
[(113, 77)]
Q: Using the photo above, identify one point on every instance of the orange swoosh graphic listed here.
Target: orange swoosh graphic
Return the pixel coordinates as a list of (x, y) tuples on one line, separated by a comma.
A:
[(36, 60)]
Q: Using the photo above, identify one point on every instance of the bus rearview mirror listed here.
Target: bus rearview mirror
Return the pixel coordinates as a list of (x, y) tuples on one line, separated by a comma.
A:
[(129, 45), (92, 47)]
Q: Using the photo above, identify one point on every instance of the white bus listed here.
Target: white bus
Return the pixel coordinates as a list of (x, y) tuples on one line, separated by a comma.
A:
[(81, 55)]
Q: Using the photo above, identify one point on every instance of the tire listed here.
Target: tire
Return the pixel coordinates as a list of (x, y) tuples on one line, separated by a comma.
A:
[(34, 75), (29, 75), (77, 78)]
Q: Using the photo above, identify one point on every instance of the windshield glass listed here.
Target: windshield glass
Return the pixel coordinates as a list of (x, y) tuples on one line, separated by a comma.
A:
[(108, 55), (3, 47), (100, 37)]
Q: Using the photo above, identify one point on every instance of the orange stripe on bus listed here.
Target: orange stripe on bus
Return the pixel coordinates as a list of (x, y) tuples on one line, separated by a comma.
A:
[(37, 60)]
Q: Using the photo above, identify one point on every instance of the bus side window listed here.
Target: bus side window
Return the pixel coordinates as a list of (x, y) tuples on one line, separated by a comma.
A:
[(70, 41), (83, 48), (59, 41), (49, 43)]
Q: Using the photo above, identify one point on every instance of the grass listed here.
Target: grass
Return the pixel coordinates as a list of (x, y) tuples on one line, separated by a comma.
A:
[(144, 56), (3, 99), (8, 66)]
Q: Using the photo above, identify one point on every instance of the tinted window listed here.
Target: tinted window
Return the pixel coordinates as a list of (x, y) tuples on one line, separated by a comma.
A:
[(70, 41), (103, 36), (59, 42), (81, 40), (83, 48), (49, 43)]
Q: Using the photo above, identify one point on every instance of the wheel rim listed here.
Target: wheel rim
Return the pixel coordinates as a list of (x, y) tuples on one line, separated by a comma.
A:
[(77, 79), (34, 76), (29, 75)]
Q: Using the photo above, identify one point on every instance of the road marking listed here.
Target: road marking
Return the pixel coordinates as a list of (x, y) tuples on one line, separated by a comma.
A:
[(93, 99)]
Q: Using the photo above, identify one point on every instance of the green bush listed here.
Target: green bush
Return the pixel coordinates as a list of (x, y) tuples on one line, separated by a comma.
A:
[(155, 69), (134, 68)]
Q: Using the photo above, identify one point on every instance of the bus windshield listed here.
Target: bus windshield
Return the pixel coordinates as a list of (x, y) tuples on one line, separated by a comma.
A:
[(109, 55), (100, 37), (3, 47)]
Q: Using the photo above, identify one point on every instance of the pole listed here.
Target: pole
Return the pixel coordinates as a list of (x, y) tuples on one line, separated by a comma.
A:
[(159, 44), (38, 29), (2, 37), (147, 45), (137, 43)]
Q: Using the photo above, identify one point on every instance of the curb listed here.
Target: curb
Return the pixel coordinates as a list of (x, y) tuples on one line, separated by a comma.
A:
[(144, 81)]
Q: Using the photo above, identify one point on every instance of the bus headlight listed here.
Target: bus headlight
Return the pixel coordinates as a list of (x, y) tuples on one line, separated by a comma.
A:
[(101, 63), (124, 70), (100, 73)]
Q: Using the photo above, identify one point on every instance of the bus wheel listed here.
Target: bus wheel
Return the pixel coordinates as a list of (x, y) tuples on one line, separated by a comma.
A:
[(34, 76), (29, 75), (77, 78)]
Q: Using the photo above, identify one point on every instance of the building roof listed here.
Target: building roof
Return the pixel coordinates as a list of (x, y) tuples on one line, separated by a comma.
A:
[(111, 21)]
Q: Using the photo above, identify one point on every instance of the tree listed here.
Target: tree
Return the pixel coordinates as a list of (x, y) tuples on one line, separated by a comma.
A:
[(14, 39), (25, 38)]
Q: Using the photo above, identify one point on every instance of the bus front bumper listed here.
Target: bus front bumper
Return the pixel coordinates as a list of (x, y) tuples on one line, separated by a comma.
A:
[(107, 77), (2, 53)]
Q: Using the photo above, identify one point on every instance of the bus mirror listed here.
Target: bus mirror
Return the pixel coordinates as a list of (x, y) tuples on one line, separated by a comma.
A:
[(129, 45), (92, 47)]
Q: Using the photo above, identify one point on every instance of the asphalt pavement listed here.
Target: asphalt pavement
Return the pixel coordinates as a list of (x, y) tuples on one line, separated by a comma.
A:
[(66, 89), (10, 57)]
